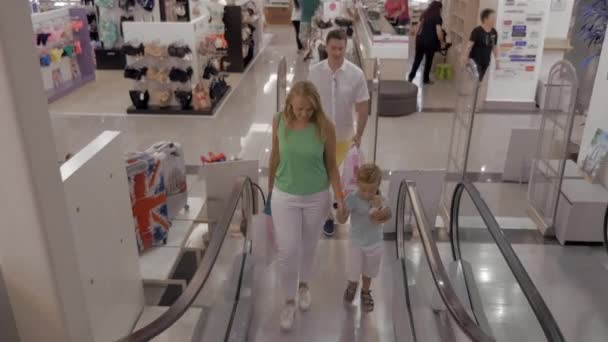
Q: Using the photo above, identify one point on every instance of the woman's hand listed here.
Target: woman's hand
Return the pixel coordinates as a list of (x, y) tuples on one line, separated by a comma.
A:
[(341, 213)]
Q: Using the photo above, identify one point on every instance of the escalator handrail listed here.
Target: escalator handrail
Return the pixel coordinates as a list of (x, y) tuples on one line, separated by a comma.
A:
[(540, 308), (243, 185), (438, 270)]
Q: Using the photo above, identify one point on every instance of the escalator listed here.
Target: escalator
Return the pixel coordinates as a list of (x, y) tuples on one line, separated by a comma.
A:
[(231, 296)]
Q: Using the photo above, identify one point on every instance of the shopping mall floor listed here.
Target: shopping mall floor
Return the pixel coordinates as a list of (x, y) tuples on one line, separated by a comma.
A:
[(572, 280)]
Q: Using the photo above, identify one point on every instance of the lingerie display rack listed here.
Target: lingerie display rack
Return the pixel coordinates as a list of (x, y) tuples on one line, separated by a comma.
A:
[(63, 43)]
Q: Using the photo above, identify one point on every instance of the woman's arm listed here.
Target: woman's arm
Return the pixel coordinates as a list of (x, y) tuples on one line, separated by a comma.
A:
[(342, 215), (274, 155), (332, 166)]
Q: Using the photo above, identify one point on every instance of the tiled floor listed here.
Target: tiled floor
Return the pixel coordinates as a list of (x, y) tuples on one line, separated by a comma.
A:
[(573, 280)]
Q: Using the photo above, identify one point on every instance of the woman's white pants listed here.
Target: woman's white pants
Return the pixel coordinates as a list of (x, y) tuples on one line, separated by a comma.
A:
[(298, 222)]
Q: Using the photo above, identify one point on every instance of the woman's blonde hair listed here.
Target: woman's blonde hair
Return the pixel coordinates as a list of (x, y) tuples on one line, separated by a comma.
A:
[(369, 174), (308, 91)]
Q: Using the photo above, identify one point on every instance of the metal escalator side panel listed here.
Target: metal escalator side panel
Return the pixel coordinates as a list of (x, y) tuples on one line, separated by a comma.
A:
[(540, 309), (242, 190), (228, 316), (243, 311), (403, 325), (439, 275), (473, 296)]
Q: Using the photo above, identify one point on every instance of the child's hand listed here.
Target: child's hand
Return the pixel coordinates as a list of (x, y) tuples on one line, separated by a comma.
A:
[(380, 216), (376, 202)]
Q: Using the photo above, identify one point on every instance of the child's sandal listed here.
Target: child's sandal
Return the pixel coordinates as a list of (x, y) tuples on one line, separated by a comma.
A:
[(367, 302), (349, 293)]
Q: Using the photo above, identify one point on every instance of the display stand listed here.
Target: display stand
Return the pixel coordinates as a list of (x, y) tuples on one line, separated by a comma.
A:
[(241, 51), (113, 18), (72, 70), (165, 33), (549, 165)]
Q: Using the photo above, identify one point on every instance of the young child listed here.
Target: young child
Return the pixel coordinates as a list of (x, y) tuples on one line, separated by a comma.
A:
[(368, 213)]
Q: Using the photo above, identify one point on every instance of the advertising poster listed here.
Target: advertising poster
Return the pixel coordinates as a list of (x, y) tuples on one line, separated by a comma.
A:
[(520, 38)]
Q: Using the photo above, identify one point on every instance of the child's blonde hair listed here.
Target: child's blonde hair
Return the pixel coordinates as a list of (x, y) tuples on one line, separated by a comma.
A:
[(369, 174)]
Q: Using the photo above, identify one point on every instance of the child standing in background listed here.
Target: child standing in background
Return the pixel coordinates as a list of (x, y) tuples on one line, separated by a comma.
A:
[(368, 213)]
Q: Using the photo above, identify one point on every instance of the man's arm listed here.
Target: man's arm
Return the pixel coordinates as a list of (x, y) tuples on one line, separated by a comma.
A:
[(495, 52)]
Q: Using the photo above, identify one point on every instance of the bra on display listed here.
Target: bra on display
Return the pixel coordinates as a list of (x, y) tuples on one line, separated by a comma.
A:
[(200, 97), (42, 38), (77, 25), (56, 55), (140, 99), (45, 59), (134, 73), (155, 50), (68, 51), (180, 75), (126, 5), (131, 50), (156, 74), (184, 97), (162, 97), (179, 51), (77, 47), (211, 69), (148, 5)]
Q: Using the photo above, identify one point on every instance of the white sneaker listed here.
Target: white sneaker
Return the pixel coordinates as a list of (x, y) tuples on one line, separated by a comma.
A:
[(288, 316), (304, 298)]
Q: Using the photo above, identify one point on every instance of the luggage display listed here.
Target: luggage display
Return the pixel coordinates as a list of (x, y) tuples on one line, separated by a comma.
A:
[(173, 169), (148, 199)]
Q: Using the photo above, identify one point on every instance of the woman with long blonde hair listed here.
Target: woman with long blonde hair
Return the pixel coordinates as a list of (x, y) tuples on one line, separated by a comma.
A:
[(302, 168)]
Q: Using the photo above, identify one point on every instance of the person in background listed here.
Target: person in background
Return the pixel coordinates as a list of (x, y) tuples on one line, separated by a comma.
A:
[(397, 12), (302, 167), (296, 15), (429, 39), (343, 89), (482, 43), (308, 7), (366, 208)]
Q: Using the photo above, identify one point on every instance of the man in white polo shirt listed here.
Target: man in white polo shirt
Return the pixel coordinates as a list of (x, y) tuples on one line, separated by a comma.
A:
[(343, 89)]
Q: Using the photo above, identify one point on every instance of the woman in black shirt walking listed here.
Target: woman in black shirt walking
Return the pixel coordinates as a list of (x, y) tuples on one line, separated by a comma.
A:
[(482, 43), (429, 39)]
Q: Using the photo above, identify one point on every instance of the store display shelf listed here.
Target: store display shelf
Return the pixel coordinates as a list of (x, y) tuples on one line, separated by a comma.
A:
[(176, 110)]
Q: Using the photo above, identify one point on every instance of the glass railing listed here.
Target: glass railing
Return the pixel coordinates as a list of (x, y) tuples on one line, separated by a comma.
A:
[(500, 289), (217, 301), (428, 307)]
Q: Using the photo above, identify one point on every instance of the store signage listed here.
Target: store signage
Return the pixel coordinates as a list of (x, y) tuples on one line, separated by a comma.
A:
[(521, 26)]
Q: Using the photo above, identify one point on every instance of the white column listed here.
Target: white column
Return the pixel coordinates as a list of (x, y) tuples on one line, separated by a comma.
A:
[(597, 117), (36, 247)]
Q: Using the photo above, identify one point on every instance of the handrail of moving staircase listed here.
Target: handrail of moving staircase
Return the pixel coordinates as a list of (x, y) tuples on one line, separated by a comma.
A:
[(243, 185), (407, 189), (542, 312)]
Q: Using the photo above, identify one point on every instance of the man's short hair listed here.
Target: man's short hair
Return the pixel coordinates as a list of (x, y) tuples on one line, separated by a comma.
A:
[(338, 34), (486, 13)]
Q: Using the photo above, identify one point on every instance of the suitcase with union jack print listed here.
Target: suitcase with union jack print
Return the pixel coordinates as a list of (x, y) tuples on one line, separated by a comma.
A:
[(148, 200)]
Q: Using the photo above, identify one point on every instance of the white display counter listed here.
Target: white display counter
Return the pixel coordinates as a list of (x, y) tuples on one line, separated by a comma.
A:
[(386, 45), (580, 212)]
